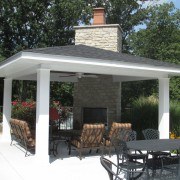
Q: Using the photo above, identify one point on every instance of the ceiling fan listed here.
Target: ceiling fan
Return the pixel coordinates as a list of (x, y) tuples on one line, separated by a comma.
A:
[(75, 74)]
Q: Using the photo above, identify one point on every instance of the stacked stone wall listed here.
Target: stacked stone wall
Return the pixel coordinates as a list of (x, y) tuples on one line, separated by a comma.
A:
[(99, 92), (106, 37)]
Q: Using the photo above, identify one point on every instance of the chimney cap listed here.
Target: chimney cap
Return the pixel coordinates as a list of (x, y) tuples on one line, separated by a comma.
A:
[(99, 8), (99, 16)]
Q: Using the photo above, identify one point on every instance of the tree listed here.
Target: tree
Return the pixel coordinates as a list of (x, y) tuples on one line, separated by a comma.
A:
[(21, 24), (159, 40), (28, 24)]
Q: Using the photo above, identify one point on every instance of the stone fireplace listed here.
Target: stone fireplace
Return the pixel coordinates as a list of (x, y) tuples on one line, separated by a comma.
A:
[(99, 92)]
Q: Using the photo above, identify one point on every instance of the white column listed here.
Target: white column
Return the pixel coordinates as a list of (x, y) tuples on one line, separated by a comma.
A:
[(42, 115), (164, 108), (6, 136)]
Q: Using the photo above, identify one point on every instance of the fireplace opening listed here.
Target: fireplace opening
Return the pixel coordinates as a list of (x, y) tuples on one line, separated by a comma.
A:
[(95, 115)]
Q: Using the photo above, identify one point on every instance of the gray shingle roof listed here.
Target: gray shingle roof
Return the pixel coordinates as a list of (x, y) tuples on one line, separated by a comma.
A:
[(97, 53)]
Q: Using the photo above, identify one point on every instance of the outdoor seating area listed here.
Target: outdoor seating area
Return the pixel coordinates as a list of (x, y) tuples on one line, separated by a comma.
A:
[(130, 158), (143, 165)]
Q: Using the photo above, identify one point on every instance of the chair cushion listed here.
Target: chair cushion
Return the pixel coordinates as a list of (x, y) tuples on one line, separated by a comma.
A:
[(115, 130), (91, 136)]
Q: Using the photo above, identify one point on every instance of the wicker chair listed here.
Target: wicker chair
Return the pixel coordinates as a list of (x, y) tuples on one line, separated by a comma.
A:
[(117, 130), (90, 138)]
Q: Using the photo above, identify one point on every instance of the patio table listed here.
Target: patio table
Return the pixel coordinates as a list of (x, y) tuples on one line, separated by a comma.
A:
[(154, 145)]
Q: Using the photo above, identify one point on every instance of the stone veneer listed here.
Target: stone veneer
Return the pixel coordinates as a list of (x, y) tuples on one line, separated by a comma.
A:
[(107, 36), (99, 92)]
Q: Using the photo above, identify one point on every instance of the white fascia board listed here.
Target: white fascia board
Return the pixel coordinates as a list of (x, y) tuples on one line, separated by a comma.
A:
[(98, 62), (11, 60)]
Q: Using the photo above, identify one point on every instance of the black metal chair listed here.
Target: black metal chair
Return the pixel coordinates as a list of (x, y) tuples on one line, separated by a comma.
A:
[(135, 155), (154, 164), (110, 166), (150, 133), (154, 134), (171, 165), (126, 163), (132, 135)]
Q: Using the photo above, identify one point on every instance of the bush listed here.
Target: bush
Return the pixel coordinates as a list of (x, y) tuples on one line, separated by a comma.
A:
[(144, 114), (24, 110), (0, 117), (27, 110), (175, 118)]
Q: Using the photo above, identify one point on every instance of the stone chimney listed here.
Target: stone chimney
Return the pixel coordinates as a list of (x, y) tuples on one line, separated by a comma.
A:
[(100, 34)]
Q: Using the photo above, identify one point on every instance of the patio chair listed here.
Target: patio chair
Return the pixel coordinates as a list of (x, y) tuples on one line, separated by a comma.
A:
[(117, 130), (133, 169), (24, 135), (135, 155), (91, 138), (110, 167), (153, 134), (132, 135), (15, 131), (171, 164)]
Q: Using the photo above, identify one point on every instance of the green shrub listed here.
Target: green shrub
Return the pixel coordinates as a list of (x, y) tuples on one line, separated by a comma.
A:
[(144, 114), (0, 117), (24, 110), (175, 118)]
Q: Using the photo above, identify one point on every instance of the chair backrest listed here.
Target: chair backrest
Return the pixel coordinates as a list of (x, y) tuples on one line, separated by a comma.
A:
[(110, 166), (132, 135), (151, 134), (21, 129), (92, 135), (117, 127), (121, 150)]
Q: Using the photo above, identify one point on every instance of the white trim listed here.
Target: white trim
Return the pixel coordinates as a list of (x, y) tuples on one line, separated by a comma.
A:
[(96, 62)]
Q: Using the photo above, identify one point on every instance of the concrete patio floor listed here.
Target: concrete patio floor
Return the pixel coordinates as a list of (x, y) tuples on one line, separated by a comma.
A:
[(14, 165)]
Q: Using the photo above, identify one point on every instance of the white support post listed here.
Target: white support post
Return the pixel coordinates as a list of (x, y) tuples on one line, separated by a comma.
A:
[(6, 136), (42, 115), (164, 108)]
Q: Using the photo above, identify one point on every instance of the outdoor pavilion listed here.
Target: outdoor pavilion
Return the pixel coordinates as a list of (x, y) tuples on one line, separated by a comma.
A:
[(38, 64)]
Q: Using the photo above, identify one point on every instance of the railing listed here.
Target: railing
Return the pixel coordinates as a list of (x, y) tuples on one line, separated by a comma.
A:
[(68, 122)]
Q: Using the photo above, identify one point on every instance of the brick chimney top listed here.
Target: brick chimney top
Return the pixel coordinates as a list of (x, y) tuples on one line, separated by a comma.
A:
[(99, 16)]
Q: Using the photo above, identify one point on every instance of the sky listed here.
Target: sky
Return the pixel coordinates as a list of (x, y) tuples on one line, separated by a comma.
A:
[(176, 2)]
